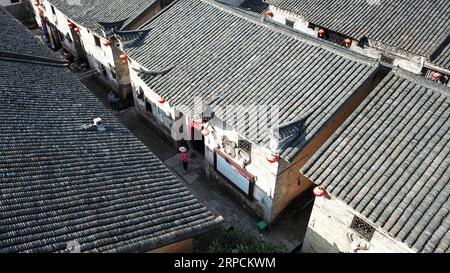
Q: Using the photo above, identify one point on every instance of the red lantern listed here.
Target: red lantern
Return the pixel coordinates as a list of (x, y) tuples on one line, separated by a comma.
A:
[(70, 24), (321, 33), (436, 75), (76, 30), (106, 43), (269, 13), (319, 191), (161, 100), (205, 132), (199, 121), (36, 4), (347, 43), (272, 158), (123, 58)]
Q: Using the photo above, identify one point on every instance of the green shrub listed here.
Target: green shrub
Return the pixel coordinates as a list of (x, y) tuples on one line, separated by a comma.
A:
[(237, 241)]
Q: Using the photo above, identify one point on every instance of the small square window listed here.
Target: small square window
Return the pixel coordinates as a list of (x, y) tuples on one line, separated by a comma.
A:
[(289, 23), (362, 228)]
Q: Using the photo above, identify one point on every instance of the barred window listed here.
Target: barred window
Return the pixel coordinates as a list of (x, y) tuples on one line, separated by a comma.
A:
[(290, 23), (430, 74), (386, 59), (336, 37), (245, 145), (362, 228)]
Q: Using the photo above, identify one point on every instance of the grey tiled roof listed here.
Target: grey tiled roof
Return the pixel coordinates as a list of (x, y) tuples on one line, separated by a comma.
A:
[(233, 58), (89, 12), (10, 29), (415, 26), (60, 183), (442, 57), (257, 6), (390, 161)]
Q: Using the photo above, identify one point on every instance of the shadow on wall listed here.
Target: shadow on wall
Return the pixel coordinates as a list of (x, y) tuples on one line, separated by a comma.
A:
[(314, 243)]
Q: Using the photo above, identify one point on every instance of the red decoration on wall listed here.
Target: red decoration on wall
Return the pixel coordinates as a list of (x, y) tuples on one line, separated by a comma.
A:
[(321, 33), (70, 24), (161, 100), (436, 75), (347, 43), (205, 132), (199, 121), (319, 191), (76, 30), (106, 43), (123, 58), (273, 158), (269, 13)]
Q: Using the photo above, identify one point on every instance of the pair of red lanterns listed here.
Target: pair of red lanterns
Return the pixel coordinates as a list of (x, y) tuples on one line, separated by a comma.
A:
[(77, 31), (347, 42)]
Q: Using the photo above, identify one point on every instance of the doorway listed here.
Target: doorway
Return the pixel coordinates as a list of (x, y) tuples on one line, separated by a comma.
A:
[(197, 139)]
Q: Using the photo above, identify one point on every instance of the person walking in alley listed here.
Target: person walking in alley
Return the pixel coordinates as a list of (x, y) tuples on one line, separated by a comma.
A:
[(112, 100), (184, 158)]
